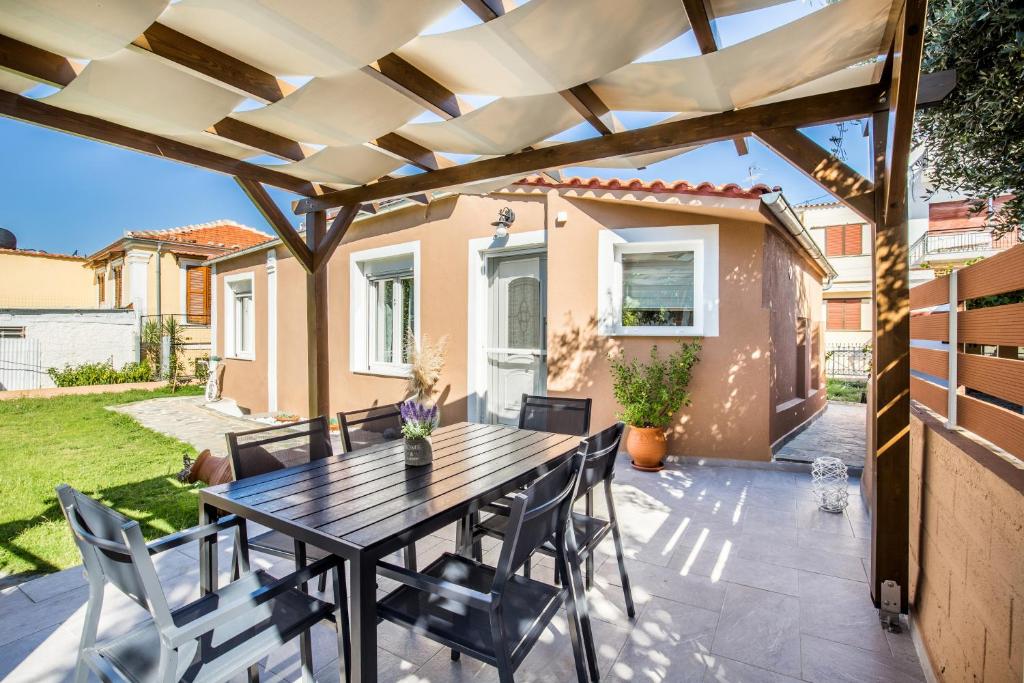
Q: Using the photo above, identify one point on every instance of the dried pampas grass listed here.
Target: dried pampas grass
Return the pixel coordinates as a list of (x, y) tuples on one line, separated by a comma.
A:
[(427, 361)]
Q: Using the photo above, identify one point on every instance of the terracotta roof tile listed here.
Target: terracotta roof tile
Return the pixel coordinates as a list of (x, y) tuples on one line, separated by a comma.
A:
[(225, 234), (45, 254), (655, 186)]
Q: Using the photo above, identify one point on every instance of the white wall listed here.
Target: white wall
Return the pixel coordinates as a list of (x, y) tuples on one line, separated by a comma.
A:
[(74, 337)]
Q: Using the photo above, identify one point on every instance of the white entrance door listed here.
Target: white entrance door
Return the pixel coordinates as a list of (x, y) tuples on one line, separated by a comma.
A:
[(516, 349)]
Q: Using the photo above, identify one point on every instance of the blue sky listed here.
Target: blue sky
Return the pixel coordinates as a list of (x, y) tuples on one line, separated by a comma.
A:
[(61, 193)]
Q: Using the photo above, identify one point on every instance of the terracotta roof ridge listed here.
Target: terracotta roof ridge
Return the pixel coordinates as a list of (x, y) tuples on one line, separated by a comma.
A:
[(654, 186), (39, 252), (218, 223)]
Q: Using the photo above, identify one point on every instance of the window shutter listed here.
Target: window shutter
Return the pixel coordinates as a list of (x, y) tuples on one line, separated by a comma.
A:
[(834, 315), (851, 315), (197, 295), (852, 238), (834, 241)]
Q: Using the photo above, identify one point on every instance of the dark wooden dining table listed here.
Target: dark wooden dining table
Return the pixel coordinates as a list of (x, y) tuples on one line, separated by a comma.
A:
[(365, 505)]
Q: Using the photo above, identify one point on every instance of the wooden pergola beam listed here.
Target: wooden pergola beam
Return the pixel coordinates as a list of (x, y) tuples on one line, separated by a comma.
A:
[(281, 225), (837, 106), (181, 50), (586, 102), (414, 153), (37, 63), (258, 138), (402, 76), (700, 22), (846, 184), (42, 114), (485, 10), (889, 416), (335, 233)]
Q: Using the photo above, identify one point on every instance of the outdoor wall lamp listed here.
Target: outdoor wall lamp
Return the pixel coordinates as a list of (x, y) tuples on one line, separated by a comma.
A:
[(506, 217)]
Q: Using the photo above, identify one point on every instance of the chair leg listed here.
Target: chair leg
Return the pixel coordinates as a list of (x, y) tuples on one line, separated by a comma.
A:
[(410, 557), (321, 583), (456, 655), (627, 592), (526, 567), (341, 620), (579, 602), (581, 648), (477, 547), (590, 555), (92, 622), (253, 673)]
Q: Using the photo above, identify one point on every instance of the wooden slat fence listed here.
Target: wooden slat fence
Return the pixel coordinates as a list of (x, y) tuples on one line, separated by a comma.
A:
[(21, 364), (1002, 326)]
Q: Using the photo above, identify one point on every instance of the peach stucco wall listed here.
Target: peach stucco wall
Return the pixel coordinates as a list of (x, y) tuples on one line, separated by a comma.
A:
[(29, 280), (246, 380), (732, 392)]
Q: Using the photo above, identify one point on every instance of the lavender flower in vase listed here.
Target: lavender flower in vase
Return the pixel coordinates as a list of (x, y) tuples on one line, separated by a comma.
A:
[(418, 422)]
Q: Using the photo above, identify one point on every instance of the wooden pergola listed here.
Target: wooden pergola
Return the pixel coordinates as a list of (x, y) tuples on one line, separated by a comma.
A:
[(871, 69)]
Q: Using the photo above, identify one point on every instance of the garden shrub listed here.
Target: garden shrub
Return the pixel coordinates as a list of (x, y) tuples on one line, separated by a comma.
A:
[(86, 374)]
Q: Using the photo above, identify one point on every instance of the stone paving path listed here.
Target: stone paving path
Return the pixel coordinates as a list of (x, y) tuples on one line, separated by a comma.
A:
[(187, 419), (839, 432)]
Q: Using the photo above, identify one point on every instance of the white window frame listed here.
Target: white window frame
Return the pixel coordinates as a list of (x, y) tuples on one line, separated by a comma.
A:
[(363, 309), (702, 240), (231, 283)]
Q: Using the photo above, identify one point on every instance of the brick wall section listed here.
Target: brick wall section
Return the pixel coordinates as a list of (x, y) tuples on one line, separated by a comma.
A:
[(966, 555)]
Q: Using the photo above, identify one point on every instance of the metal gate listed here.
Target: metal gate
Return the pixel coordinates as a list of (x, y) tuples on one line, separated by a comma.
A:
[(21, 364)]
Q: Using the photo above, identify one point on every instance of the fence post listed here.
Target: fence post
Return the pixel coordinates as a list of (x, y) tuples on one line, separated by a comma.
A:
[(954, 347)]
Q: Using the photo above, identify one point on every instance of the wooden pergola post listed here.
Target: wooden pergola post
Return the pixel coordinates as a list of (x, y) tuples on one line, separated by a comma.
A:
[(317, 357), (889, 417)]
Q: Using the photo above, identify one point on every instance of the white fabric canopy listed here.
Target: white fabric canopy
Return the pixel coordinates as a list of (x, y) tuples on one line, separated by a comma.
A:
[(816, 45), (137, 91), (311, 37), (350, 165), (350, 108), (76, 28), (507, 124)]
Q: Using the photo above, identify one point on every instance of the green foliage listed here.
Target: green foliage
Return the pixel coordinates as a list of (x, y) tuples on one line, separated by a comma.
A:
[(842, 390), (172, 330), (996, 300), (652, 393), (76, 440), (974, 141), (87, 374), (201, 369)]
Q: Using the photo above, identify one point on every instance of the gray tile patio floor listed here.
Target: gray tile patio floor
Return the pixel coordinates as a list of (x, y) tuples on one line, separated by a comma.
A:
[(737, 577)]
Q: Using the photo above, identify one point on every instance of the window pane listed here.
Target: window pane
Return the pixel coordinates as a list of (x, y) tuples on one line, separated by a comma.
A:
[(657, 289), (385, 322), (243, 323), (524, 313), (408, 316)]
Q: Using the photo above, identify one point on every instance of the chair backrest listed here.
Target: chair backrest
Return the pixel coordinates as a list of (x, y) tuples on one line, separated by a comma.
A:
[(365, 427), (258, 451), (114, 551), (538, 513), (559, 415), (600, 451)]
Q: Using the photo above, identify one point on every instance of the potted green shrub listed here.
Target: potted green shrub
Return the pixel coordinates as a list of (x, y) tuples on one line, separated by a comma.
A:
[(651, 393)]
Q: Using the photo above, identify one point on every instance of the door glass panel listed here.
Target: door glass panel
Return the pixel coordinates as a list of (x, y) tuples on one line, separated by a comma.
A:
[(524, 313)]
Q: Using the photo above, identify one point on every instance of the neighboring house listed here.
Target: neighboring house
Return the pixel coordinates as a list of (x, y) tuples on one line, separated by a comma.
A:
[(36, 279), (161, 274), (846, 238), (588, 267)]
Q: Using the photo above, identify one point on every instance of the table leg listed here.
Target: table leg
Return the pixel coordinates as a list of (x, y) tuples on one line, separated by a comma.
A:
[(364, 620), (305, 640), (207, 551)]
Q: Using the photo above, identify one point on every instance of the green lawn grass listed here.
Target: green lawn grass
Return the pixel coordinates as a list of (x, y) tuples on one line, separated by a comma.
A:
[(76, 440), (844, 390)]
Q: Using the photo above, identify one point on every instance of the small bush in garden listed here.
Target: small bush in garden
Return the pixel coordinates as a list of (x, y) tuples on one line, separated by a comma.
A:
[(88, 374), (201, 369)]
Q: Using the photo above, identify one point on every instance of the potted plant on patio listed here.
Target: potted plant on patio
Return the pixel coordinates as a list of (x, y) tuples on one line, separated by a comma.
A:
[(418, 422), (651, 393)]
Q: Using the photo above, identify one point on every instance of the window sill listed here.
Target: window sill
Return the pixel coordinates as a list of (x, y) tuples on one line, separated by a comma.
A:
[(400, 371), (248, 358), (653, 331)]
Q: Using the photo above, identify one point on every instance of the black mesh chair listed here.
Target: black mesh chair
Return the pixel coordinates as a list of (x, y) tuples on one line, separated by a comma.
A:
[(490, 613), (258, 451), (368, 426), (559, 415), (598, 468), (213, 638)]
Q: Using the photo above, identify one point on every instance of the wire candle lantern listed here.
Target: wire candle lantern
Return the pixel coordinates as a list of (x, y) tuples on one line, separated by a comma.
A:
[(829, 479)]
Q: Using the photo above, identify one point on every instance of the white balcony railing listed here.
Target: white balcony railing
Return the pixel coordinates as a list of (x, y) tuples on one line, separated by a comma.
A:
[(952, 245)]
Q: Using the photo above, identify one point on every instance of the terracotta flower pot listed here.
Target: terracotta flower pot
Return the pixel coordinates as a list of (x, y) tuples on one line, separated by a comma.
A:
[(207, 468), (647, 447)]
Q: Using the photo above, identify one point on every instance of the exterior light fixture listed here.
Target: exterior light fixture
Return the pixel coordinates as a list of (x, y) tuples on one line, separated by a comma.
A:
[(506, 218)]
